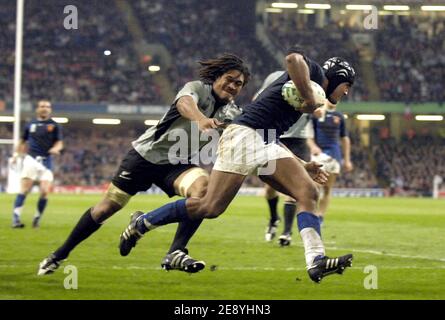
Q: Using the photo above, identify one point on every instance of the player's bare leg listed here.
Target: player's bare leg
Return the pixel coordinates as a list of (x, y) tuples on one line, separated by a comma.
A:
[(25, 187), (291, 178), (221, 190), (45, 189), (272, 200)]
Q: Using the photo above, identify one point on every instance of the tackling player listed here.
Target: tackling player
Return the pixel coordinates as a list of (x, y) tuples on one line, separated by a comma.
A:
[(243, 150), (42, 139), (209, 103)]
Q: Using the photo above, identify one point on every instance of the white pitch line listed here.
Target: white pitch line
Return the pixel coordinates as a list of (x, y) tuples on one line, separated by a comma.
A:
[(380, 253)]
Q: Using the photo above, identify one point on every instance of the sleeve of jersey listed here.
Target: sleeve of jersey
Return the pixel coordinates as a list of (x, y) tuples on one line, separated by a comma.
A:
[(194, 89), (343, 131), (58, 133), (25, 135)]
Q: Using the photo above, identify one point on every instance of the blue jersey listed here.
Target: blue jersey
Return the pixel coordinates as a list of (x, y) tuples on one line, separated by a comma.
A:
[(270, 110), (328, 131), (41, 136)]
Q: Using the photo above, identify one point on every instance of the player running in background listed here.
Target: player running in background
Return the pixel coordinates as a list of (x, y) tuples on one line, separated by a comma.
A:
[(209, 103), (295, 139), (243, 150), (330, 139), (41, 140)]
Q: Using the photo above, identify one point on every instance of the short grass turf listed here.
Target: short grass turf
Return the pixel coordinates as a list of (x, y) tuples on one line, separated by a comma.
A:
[(402, 238)]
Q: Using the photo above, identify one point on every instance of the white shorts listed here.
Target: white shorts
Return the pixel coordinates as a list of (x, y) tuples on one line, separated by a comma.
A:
[(330, 164), (243, 151), (35, 170)]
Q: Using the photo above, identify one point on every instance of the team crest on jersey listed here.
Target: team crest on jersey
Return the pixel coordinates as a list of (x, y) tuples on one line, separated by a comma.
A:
[(32, 128), (50, 127), (336, 120)]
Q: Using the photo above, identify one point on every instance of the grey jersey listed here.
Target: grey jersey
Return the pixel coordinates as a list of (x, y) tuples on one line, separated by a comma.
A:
[(303, 128), (156, 143)]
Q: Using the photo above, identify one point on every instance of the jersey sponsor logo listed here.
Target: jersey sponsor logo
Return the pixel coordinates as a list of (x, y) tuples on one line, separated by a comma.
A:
[(50, 127)]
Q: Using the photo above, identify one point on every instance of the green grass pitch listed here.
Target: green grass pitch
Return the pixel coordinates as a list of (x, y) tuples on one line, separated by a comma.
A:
[(403, 238)]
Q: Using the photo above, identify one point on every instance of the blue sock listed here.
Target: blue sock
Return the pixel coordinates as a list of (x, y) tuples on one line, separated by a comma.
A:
[(308, 220), (18, 205), (41, 205), (170, 213)]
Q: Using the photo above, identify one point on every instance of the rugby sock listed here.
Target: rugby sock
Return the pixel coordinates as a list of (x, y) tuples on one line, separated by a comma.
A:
[(18, 206), (309, 227), (169, 213), (84, 228), (186, 230), (41, 205), (289, 214), (273, 209)]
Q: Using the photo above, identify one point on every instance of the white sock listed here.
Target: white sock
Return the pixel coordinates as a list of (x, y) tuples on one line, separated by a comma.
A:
[(313, 245), (18, 211)]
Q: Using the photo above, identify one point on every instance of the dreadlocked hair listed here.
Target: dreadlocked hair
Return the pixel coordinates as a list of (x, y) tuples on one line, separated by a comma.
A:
[(212, 69)]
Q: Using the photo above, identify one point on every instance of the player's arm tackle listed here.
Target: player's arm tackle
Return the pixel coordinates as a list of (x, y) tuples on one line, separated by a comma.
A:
[(188, 108)]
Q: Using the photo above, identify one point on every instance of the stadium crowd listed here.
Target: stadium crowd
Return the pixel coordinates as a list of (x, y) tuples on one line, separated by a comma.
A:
[(402, 73), (70, 63), (408, 166)]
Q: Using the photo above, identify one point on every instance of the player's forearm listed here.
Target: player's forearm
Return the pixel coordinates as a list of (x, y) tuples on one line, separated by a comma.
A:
[(58, 146), (189, 110), (21, 148), (299, 73), (346, 146)]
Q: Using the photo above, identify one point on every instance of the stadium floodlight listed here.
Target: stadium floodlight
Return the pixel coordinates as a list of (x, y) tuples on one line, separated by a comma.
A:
[(359, 7), (151, 122), (6, 119), (154, 68), (317, 6), (106, 121), (396, 8), (107, 52), (273, 10), (306, 11), (61, 119), (429, 118), (371, 117), (285, 5), (432, 8)]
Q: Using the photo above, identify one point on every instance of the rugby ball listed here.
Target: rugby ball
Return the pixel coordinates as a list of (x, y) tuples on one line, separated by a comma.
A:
[(292, 96)]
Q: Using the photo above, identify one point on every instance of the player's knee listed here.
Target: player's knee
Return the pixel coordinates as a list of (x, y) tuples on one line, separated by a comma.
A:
[(199, 189), (44, 194), (102, 211), (307, 193), (270, 192), (213, 210)]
